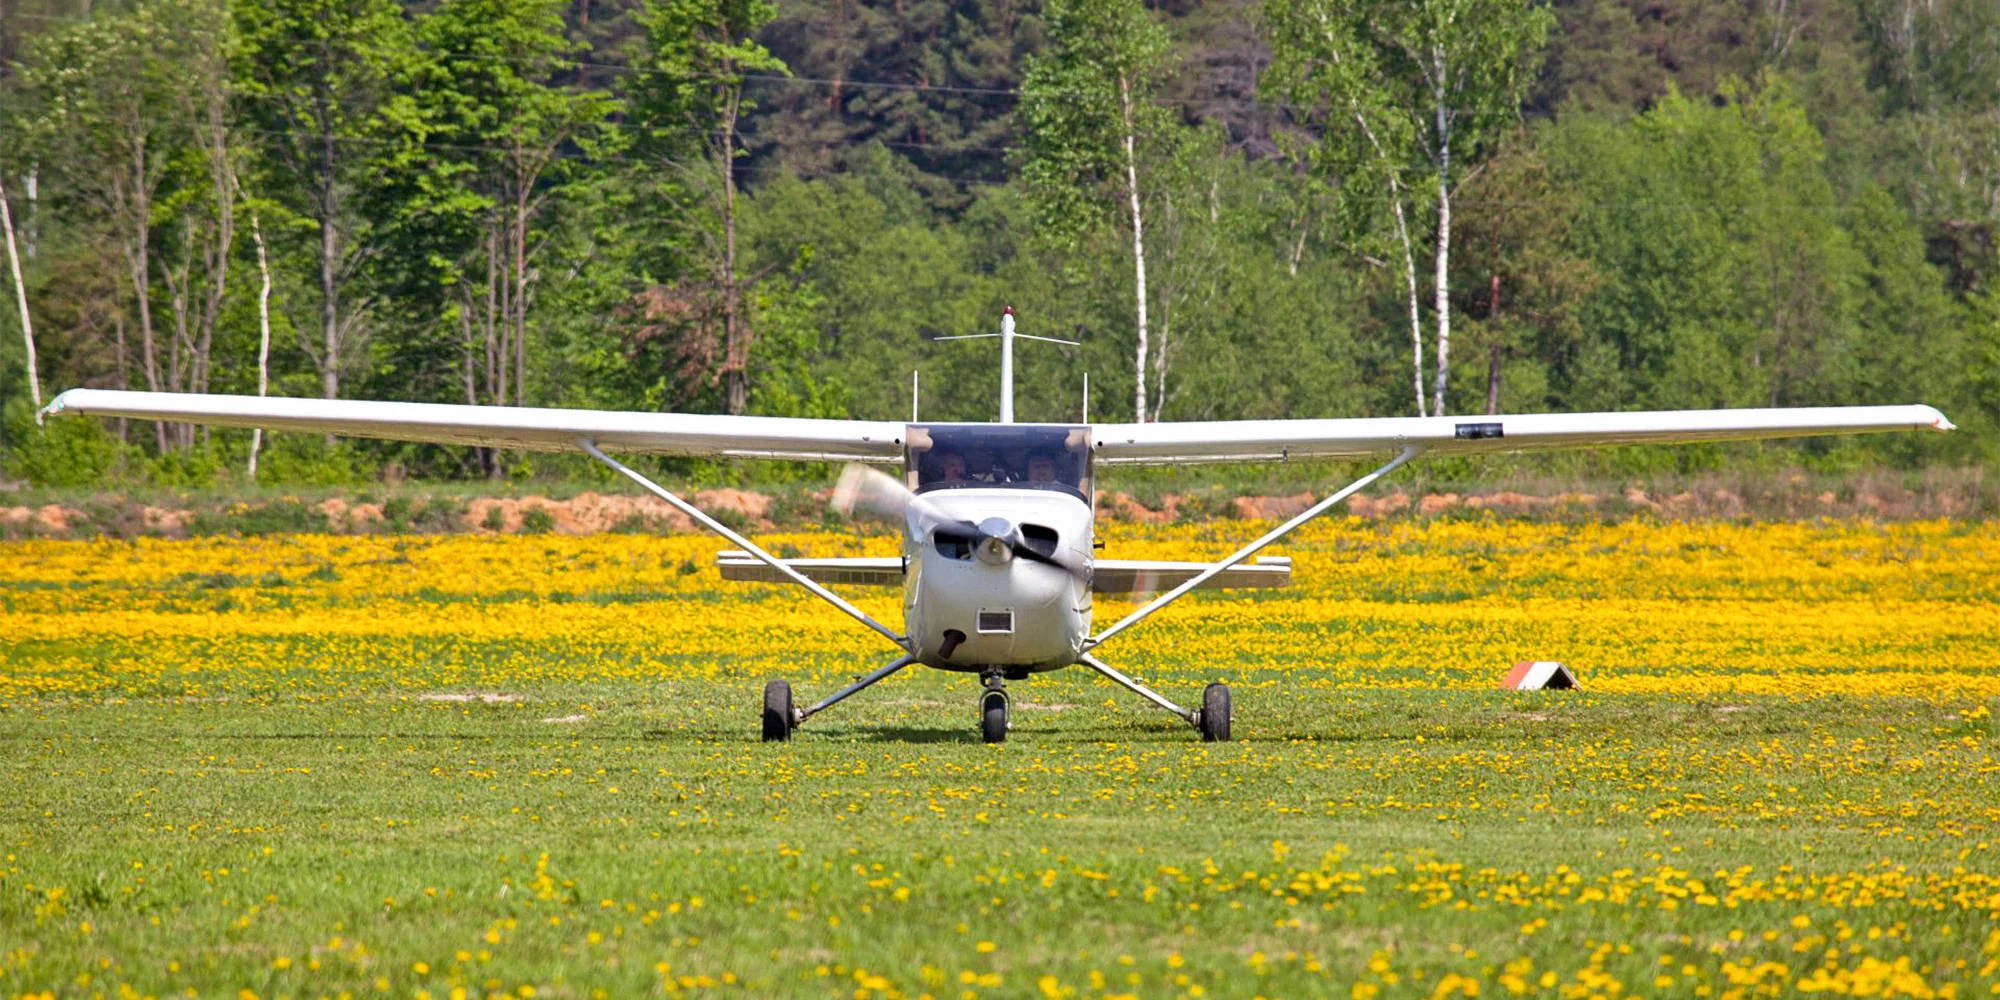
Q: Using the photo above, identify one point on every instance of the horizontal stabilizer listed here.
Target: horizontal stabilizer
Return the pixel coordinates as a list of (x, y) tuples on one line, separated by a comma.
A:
[(1138, 576), (861, 571)]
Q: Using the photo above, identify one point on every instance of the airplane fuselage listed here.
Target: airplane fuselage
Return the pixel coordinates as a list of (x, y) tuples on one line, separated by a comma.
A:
[(972, 608)]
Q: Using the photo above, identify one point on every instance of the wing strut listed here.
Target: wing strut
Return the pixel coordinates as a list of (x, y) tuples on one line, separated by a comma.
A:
[(747, 545), (1251, 549)]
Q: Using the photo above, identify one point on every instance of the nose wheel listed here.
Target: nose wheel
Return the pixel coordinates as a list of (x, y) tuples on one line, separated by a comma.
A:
[(994, 711)]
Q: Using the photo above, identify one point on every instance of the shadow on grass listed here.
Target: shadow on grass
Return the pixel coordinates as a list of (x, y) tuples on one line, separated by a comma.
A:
[(909, 734)]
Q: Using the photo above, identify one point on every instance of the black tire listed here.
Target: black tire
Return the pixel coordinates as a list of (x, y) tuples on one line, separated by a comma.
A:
[(777, 711), (993, 717), (1215, 713)]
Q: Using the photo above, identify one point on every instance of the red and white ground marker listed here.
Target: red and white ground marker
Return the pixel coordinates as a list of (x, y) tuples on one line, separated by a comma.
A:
[(1537, 675)]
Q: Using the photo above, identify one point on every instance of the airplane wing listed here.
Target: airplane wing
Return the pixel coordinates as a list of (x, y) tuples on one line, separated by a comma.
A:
[(713, 435), (1283, 440), (524, 428)]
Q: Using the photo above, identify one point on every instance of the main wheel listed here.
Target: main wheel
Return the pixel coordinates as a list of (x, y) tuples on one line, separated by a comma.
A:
[(1215, 713), (993, 717), (777, 711)]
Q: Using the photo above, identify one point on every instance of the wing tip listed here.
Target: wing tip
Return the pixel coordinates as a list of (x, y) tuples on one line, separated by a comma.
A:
[(1938, 421), (57, 406)]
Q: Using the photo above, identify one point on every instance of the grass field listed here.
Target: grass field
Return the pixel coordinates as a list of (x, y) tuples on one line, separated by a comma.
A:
[(304, 766)]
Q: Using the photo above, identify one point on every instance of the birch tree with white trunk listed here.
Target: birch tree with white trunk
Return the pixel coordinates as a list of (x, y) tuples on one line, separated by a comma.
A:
[(1088, 107), (263, 331), (1407, 95), (21, 297), (108, 122)]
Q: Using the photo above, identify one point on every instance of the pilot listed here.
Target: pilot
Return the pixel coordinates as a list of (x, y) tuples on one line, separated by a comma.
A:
[(1041, 468), (951, 467)]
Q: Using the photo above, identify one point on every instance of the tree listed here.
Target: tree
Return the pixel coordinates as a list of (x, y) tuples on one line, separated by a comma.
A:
[(930, 79), (688, 100), (21, 297), (113, 124), (201, 194), (1728, 277), (263, 332), (1522, 278), (315, 76), (1412, 92), (1087, 107), (489, 140)]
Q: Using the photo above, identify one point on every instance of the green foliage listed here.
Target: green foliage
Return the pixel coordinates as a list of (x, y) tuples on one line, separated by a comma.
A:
[(276, 517), (693, 66), (537, 520), (1733, 274), (1087, 96), (57, 453), (477, 199), (204, 464), (955, 127), (307, 459)]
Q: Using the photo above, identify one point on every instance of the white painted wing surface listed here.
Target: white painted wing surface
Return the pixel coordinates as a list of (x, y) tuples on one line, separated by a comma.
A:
[(1282, 440), (525, 428)]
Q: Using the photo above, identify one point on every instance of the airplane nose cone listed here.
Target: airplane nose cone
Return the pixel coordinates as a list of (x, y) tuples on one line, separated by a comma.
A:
[(993, 550)]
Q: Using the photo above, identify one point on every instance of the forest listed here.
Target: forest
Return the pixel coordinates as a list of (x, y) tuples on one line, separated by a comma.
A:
[(1233, 209)]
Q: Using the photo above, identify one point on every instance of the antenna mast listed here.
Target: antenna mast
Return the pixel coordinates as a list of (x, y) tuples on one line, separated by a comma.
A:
[(1007, 365), (1007, 336)]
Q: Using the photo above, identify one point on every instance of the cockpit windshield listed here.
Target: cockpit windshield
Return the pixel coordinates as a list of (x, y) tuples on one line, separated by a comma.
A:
[(1026, 456)]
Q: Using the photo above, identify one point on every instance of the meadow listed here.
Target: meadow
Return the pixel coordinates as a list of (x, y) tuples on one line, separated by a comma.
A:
[(528, 766)]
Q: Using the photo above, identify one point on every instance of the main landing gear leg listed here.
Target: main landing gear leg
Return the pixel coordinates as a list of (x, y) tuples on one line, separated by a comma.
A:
[(1212, 719), (780, 718)]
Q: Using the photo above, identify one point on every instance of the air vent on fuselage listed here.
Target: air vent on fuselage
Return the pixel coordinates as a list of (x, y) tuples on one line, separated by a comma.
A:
[(996, 620), (1040, 538), (952, 546)]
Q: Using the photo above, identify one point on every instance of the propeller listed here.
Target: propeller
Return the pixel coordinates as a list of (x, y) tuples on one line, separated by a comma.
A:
[(994, 540)]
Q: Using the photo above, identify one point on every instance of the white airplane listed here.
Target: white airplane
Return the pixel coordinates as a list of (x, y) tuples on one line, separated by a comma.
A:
[(997, 568)]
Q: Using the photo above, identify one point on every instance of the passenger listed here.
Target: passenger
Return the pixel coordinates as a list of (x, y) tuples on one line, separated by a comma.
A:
[(951, 467), (1041, 469)]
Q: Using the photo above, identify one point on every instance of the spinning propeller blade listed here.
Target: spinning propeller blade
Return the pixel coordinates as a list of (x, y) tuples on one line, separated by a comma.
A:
[(873, 491)]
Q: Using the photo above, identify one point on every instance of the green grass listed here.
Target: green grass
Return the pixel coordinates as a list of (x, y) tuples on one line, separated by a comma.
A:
[(203, 844), (408, 798)]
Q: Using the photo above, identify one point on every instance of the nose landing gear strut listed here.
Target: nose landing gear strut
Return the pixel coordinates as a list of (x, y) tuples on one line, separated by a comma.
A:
[(995, 708)]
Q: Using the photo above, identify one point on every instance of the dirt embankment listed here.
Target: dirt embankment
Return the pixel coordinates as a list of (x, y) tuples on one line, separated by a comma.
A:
[(583, 514), (1887, 504)]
